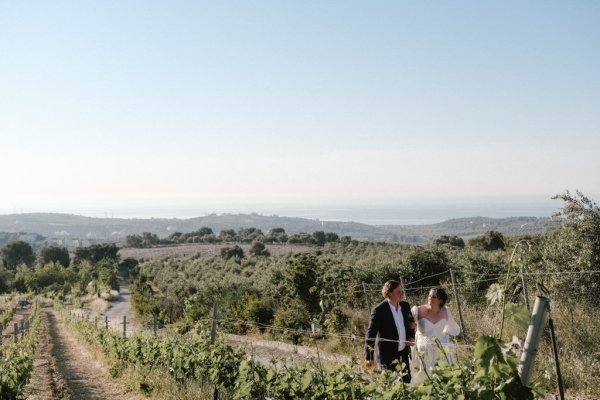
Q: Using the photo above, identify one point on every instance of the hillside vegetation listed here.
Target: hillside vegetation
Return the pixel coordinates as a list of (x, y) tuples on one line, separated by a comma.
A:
[(68, 226)]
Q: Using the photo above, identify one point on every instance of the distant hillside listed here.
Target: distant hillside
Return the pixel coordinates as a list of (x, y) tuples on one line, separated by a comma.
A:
[(80, 227)]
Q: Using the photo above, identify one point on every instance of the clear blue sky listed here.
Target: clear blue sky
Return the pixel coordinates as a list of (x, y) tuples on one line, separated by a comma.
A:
[(118, 103)]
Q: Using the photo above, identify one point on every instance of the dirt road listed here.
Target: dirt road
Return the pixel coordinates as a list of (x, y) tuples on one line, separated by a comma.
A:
[(122, 307), (65, 369)]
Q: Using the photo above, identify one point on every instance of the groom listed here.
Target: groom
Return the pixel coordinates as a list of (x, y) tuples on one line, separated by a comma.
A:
[(393, 322)]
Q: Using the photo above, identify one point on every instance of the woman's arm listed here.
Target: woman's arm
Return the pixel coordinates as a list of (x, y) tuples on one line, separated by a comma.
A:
[(451, 327)]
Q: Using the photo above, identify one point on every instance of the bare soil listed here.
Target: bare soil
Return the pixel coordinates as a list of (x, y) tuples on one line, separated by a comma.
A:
[(66, 369), (46, 382)]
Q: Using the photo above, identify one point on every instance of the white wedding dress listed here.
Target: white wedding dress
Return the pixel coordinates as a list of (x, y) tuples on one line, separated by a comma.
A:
[(427, 350)]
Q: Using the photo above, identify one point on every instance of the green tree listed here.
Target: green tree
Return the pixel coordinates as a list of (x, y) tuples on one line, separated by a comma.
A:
[(16, 253), (301, 274), (48, 278), (331, 237), (259, 249), (276, 235), (575, 246), (450, 240), (293, 317), (150, 239), (204, 231), (128, 267), (6, 278), (58, 254), (108, 273), (489, 241), (135, 241), (227, 235), (301, 238), (248, 235), (424, 262), (319, 237), (97, 252), (229, 252)]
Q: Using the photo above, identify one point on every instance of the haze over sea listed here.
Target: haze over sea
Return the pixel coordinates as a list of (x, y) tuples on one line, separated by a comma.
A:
[(372, 214)]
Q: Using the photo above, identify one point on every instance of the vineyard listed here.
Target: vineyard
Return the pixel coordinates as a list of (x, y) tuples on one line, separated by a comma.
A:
[(490, 374), (317, 301), (16, 358)]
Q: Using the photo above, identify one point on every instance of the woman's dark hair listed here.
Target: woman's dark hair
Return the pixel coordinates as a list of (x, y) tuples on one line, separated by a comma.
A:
[(440, 294)]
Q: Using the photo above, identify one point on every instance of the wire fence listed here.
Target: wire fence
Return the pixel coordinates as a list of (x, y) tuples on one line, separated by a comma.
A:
[(467, 300), (573, 296)]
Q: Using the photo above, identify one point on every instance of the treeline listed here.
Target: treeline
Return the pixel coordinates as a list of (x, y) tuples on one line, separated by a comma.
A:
[(36, 239), (52, 269), (243, 235)]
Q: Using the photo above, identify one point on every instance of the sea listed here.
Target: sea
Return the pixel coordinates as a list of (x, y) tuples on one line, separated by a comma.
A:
[(372, 214)]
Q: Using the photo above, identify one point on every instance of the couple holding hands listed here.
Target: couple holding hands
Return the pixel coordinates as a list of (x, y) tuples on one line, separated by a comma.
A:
[(395, 328)]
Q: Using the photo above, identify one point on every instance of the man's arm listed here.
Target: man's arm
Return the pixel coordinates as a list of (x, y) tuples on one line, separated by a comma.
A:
[(372, 331)]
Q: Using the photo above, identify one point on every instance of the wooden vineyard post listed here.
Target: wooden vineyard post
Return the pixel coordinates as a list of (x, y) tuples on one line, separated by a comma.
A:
[(454, 288), (367, 300), (213, 339)]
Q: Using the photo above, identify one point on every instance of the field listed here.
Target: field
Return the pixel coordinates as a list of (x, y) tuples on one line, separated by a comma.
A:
[(201, 249)]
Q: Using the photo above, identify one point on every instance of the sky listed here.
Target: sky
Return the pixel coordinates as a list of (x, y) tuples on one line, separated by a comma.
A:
[(114, 104)]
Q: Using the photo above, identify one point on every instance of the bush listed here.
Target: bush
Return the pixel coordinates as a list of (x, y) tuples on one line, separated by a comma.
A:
[(292, 317), (337, 321), (254, 309), (489, 241), (259, 249)]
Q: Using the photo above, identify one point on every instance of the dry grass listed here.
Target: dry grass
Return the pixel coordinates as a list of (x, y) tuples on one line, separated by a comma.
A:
[(98, 305), (578, 340), (156, 383), (110, 296)]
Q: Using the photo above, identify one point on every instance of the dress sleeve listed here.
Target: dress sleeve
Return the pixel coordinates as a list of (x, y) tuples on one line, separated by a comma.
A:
[(415, 312), (451, 327)]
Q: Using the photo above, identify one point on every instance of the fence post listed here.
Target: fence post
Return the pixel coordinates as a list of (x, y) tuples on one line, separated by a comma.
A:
[(106, 322), (96, 322), (124, 326), (22, 329), (213, 333), (16, 332), (561, 389), (460, 317), (525, 289), (213, 338), (1, 331), (367, 300), (534, 334)]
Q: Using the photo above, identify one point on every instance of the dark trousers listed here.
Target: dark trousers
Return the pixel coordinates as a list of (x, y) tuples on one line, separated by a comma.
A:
[(398, 358)]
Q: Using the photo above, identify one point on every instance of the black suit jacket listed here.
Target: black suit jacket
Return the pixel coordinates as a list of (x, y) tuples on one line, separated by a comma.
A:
[(382, 323)]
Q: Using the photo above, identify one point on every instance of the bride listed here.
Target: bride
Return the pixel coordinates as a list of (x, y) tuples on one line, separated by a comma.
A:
[(434, 323)]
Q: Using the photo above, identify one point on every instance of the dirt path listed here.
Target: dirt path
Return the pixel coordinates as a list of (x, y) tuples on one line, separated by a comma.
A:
[(66, 369), (46, 382), (122, 307)]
